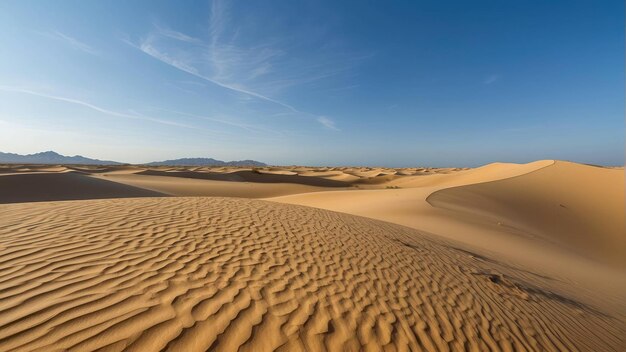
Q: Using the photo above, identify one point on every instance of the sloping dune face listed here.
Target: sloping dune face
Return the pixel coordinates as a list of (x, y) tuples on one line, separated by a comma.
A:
[(578, 206), (38, 187), (197, 274)]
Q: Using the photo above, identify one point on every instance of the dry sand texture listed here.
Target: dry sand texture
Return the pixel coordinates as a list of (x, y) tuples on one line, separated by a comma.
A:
[(196, 274), (502, 257), (31, 183)]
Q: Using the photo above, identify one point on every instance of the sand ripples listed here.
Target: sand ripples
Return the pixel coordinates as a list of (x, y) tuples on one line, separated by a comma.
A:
[(196, 274)]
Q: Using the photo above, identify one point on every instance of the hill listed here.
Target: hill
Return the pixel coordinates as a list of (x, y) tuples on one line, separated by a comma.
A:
[(51, 157)]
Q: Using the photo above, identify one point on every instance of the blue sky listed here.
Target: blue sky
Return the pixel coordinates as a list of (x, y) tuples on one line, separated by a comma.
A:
[(390, 83)]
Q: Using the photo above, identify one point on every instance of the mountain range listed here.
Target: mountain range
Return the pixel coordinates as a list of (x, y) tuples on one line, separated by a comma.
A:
[(51, 157)]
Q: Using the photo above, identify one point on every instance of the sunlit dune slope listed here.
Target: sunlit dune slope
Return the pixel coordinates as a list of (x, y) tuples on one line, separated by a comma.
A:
[(197, 274), (406, 204), (505, 223), (486, 173), (575, 206), (578, 206)]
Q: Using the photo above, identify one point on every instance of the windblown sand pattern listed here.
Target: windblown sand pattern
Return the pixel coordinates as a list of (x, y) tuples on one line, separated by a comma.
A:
[(197, 274)]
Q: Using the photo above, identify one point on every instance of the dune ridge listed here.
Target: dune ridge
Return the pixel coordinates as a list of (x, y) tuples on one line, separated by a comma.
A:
[(578, 206), (193, 274), (222, 181)]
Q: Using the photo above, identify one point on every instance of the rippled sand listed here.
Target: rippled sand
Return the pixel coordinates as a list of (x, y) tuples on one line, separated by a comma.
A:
[(197, 274)]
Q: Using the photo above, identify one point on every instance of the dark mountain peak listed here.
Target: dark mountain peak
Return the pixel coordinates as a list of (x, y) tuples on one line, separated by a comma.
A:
[(47, 153)]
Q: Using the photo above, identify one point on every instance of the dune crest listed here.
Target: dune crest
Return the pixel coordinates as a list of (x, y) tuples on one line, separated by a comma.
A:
[(578, 206)]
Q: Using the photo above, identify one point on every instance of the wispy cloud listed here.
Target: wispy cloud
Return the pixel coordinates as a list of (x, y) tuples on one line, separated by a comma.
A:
[(328, 123), (147, 47), (93, 107), (176, 35), (491, 79), (73, 42), (256, 71)]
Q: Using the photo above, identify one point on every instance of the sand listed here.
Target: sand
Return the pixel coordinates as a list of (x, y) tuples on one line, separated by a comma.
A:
[(578, 206), (501, 257), (196, 274), (44, 186), (523, 214)]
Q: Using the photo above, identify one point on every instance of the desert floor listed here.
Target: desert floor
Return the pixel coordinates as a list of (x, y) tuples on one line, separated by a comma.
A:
[(500, 257)]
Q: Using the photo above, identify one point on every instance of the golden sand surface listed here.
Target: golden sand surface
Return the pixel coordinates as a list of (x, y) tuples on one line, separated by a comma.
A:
[(197, 274), (501, 257)]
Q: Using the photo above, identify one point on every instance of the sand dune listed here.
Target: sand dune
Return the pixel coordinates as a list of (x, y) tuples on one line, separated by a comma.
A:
[(37, 187), (502, 222), (250, 176), (196, 274), (19, 183), (407, 204), (11, 169), (450, 178), (501, 257), (187, 181), (181, 186), (578, 206)]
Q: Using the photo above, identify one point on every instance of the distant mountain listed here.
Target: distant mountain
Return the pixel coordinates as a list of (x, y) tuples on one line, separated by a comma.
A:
[(206, 162), (51, 157)]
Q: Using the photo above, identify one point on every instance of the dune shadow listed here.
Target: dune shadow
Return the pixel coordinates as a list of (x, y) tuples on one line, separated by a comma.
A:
[(64, 186), (250, 176)]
